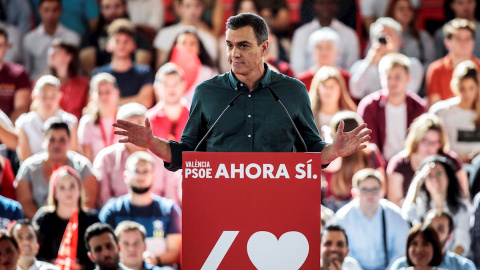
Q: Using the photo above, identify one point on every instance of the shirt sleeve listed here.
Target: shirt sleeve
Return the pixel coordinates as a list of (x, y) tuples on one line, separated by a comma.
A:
[(175, 225), (416, 72), (297, 60), (361, 76), (92, 10), (461, 234), (106, 215)]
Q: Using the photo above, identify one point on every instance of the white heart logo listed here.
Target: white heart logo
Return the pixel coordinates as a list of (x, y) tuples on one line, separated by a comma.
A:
[(287, 253)]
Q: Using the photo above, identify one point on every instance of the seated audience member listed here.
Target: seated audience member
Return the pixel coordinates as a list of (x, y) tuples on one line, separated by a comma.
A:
[(18, 14), (46, 96), (13, 43), (109, 163), (160, 216), (63, 64), (34, 173), (37, 41), (328, 96), (426, 136), (169, 116), (323, 46), (10, 210), (334, 250), (424, 249), (190, 12), (386, 38), (370, 221), (64, 200), (371, 10), (337, 187), (148, 16), (134, 80), (416, 43), (435, 186), (8, 136), (213, 17), (94, 45), (459, 39), (79, 16), (14, 83), (461, 114), (390, 111), (131, 243), (26, 237), (442, 223), (7, 177), (326, 214), (475, 231), (276, 14), (301, 59), (461, 10), (95, 130), (188, 42), (102, 246), (8, 251)]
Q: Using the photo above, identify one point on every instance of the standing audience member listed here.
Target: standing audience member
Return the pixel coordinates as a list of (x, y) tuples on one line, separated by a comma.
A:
[(426, 137), (435, 186), (374, 226), (301, 59), (160, 216), (386, 38), (334, 250), (94, 45), (131, 243), (390, 111), (37, 41), (134, 80), (34, 174), (14, 83), (95, 130), (46, 96), (10, 210), (416, 43), (102, 246), (459, 39), (8, 251), (63, 64), (26, 237), (461, 114)]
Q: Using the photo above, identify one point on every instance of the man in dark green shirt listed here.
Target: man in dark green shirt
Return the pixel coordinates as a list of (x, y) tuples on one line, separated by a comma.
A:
[(257, 122)]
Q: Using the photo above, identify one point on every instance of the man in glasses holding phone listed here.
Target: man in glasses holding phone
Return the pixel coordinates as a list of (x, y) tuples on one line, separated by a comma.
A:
[(375, 228)]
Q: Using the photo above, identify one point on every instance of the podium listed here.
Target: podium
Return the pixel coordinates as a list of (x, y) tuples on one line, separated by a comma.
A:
[(251, 211)]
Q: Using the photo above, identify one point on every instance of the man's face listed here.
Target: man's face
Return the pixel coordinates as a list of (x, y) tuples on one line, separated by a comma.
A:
[(325, 53), (56, 143), (461, 43), (441, 226), (50, 12), (395, 80), (243, 53), (26, 239), (369, 191), (334, 247), (464, 9), (140, 177), (104, 251), (121, 45), (112, 10), (3, 46), (131, 247), (325, 9), (191, 11), (170, 89)]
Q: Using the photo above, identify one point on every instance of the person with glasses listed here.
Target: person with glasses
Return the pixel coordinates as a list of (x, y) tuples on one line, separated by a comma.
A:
[(435, 186), (375, 228)]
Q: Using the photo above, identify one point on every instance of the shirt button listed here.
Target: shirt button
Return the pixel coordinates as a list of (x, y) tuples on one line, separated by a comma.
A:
[(235, 88), (249, 95), (249, 116), (241, 84), (249, 136)]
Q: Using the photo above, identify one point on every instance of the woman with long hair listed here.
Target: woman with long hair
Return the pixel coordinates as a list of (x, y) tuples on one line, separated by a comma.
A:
[(435, 186), (461, 114), (426, 136), (64, 200), (328, 96), (95, 130)]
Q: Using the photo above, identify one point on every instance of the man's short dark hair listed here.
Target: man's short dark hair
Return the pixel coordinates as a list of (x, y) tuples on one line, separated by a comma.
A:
[(43, 1), (433, 213), (249, 19), (335, 228), (97, 229), (55, 123), (22, 222), (4, 32)]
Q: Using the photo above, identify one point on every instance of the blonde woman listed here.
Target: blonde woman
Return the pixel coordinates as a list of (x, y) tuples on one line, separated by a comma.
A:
[(461, 114)]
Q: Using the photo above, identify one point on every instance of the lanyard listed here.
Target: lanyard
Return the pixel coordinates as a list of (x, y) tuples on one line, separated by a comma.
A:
[(104, 136)]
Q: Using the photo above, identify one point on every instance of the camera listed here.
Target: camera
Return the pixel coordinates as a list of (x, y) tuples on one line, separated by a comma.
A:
[(382, 40)]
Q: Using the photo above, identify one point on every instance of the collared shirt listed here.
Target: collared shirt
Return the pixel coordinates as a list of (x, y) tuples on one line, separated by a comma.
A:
[(121, 266), (39, 265), (451, 261), (256, 123), (365, 235)]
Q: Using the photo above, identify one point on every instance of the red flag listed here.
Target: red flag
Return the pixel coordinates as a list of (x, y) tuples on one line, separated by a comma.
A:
[(67, 254)]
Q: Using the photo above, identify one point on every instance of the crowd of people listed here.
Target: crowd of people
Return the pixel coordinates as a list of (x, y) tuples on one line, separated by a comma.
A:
[(70, 69)]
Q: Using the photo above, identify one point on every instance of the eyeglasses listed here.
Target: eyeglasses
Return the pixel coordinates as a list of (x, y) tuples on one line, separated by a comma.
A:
[(437, 174), (430, 143), (374, 191)]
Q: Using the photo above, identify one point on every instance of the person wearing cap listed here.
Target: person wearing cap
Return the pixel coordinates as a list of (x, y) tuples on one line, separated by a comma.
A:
[(160, 216), (109, 164)]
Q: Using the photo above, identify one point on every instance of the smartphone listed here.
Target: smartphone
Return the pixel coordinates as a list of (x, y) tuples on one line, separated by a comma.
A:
[(382, 40)]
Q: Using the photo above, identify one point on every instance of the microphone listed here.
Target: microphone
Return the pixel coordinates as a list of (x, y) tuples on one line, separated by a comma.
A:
[(230, 104), (289, 117)]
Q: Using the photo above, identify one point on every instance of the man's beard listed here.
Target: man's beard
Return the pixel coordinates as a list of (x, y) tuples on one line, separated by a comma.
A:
[(140, 190), (111, 266)]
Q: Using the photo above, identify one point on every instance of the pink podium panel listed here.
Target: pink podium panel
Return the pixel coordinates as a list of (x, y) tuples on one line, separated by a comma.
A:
[(251, 211)]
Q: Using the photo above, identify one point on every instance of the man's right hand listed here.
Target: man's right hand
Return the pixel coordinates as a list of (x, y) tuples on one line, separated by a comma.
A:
[(141, 136)]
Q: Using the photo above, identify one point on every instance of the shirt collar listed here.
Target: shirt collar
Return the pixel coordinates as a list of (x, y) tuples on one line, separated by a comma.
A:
[(266, 79)]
